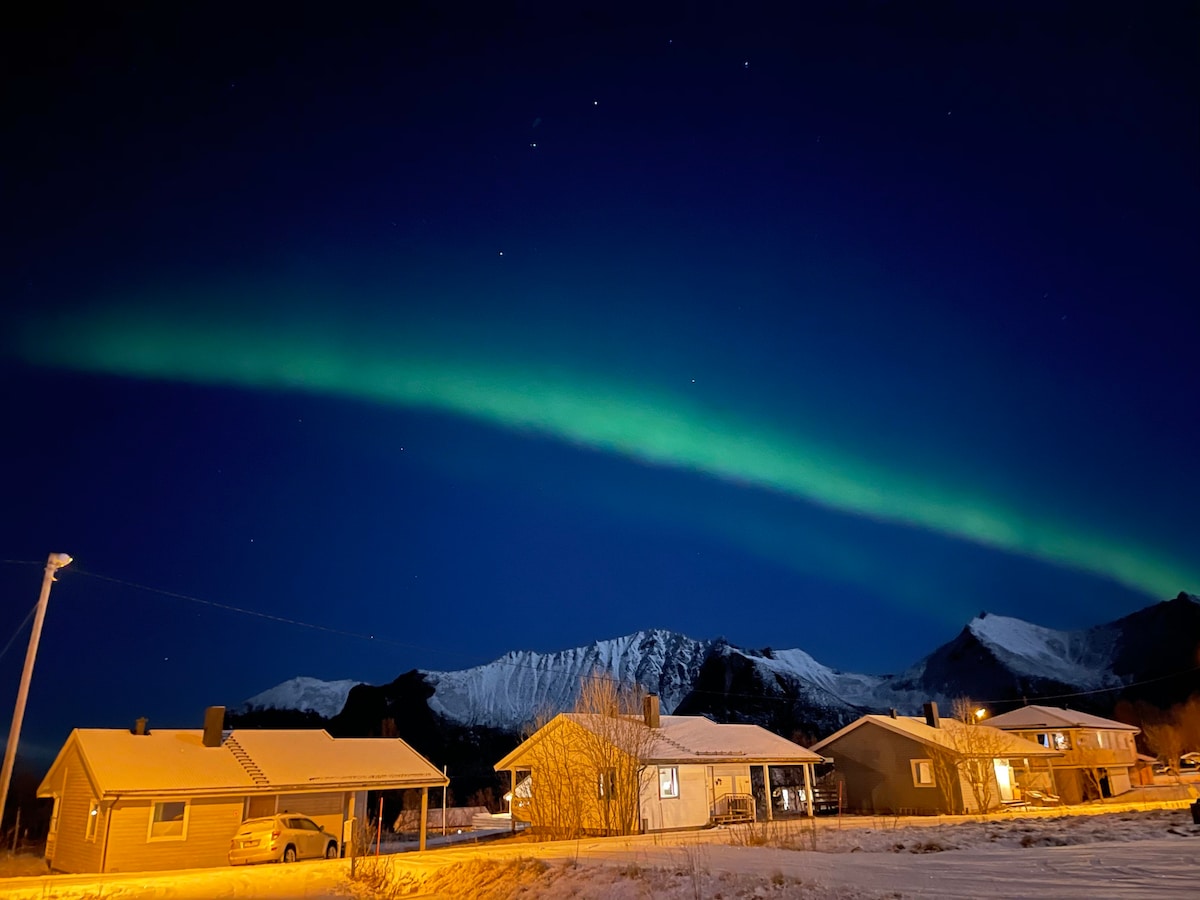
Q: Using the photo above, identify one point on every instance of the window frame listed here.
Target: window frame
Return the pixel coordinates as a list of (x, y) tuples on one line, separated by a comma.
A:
[(55, 812), (606, 784), (155, 805), (916, 766), (674, 784), (93, 819)]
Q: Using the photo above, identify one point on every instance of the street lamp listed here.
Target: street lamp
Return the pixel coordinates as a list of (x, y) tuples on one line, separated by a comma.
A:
[(54, 562)]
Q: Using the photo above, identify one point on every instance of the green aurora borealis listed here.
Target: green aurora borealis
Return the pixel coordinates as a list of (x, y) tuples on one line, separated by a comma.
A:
[(414, 367)]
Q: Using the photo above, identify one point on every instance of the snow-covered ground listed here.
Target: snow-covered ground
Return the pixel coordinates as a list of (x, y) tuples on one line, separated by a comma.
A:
[(1131, 853)]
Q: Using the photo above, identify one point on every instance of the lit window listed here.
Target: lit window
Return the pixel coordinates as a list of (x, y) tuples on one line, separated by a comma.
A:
[(1060, 741), (668, 782), (93, 817), (922, 772), (168, 820), (606, 784)]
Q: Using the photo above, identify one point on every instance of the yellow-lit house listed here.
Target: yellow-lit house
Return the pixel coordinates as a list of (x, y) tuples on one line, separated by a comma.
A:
[(622, 774), (140, 800), (1098, 755), (904, 765)]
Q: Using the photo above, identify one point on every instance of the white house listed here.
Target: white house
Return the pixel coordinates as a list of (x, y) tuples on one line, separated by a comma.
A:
[(690, 771)]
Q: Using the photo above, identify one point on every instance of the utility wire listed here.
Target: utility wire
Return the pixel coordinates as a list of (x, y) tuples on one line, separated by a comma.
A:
[(244, 611), (20, 628)]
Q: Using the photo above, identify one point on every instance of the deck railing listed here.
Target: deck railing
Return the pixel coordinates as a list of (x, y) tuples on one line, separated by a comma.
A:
[(730, 808)]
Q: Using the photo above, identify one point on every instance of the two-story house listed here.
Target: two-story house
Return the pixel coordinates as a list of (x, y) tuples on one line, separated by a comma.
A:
[(1099, 755)]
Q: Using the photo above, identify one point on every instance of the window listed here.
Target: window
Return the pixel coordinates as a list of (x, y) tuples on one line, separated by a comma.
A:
[(1061, 741), (89, 832), (168, 821), (922, 772), (668, 782), (606, 784)]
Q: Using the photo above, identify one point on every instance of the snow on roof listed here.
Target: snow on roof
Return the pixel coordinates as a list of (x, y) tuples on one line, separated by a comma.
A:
[(1055, 717), (168, 761), (1005, 744), (695, 739)]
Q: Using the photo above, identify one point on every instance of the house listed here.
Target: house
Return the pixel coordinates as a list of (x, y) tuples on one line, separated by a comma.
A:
[(902, 765), (457, 818), (623, 774), (1099, 756), (140, 800)]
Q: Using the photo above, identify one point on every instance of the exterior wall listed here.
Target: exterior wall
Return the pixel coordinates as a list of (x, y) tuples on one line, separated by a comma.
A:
[(1091, 748), (689, 810), (1119, 781), (1114, 751), (326, 809), (564, 784), (877, 767), (71, 851), (211, 824)]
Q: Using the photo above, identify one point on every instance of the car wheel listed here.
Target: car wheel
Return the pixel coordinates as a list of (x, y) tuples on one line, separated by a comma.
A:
[(331, 852), (289, 854)]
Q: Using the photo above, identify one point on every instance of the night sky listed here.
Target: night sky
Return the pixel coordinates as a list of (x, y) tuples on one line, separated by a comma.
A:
[(450, 331)]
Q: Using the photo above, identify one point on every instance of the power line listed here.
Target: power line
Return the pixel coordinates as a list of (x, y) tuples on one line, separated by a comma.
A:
[(20, 628), (247, 612)]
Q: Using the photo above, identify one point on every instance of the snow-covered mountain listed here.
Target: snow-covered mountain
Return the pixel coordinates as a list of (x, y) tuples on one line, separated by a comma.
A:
[(325, 698), (513, 690), (995, 659)]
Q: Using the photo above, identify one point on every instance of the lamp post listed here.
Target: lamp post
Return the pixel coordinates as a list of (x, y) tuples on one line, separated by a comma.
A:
[(53, 563)]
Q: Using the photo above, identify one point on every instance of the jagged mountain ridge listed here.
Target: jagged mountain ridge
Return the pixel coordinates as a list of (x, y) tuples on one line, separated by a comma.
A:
[(514, 689), (995, 658)]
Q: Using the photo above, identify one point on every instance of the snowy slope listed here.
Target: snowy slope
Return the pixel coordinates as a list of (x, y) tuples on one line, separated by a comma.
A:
[(513, 690), (1079, 658), (848, 688), (326, 698)]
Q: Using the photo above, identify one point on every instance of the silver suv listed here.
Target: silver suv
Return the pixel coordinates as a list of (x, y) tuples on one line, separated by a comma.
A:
[(282, 838)]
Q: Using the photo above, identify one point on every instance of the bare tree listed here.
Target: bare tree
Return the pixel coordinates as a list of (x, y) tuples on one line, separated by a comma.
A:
[(973, 751), (586, 768), (615, 742), (555, 803), (1166, 739)]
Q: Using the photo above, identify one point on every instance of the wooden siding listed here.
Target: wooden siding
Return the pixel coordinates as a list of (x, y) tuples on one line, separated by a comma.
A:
[(211, 824), (73, 852), (326, 809), (690, 809), (877, 767)]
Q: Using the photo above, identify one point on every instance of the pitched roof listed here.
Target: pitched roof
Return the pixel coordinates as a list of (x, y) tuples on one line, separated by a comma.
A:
[(1000, 744), (1055, 717), (168, 761), (695, 739)]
